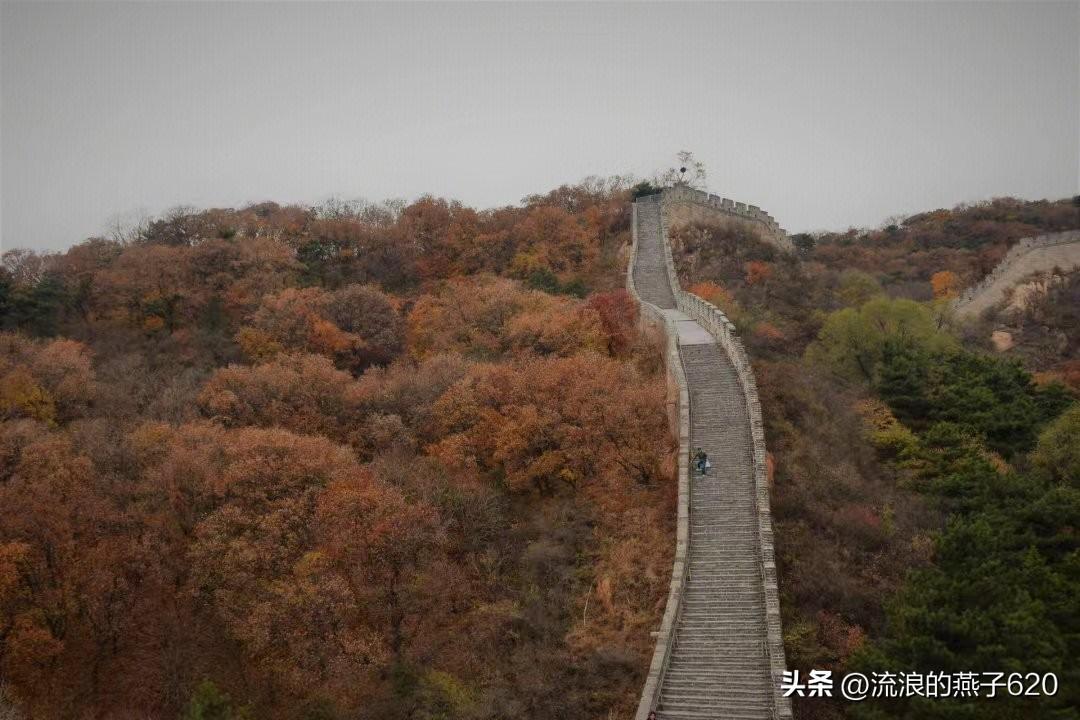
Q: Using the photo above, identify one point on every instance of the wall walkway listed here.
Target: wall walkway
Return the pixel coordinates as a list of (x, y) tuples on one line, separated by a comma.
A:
[(719, 652)]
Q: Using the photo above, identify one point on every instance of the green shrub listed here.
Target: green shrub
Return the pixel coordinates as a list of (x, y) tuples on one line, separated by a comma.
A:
[(208, 702)]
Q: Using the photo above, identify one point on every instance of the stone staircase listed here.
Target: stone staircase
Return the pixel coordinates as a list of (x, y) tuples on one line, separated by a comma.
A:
[(650, 268), (718, 667), (716, 663)]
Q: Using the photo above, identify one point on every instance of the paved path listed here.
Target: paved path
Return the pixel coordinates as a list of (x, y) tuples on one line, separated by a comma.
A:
[(718, 667), (650, 272)]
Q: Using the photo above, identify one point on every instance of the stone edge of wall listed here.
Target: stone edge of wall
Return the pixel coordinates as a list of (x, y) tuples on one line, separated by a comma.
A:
[(731, 208), (1002, 269), (679, 416), (718, 325)]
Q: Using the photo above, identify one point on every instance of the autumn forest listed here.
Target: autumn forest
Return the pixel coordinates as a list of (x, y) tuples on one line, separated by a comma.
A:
[(412, 460)]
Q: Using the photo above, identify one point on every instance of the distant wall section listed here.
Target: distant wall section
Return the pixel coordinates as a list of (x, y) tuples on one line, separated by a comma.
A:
[(1041, 254), (684, 205)]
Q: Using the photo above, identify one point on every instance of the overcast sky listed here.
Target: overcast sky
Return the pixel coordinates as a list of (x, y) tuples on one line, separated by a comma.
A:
[(827, 115)]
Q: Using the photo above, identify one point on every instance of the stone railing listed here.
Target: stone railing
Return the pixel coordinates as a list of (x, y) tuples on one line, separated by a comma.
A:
[(654, 321), (723, 330), (1004, 269), (685, 204)]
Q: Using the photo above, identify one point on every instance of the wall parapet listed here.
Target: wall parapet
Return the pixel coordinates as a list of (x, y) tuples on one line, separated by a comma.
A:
[(1012, 258), (683, 194)]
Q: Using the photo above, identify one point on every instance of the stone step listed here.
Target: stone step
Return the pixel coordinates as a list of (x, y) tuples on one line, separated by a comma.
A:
[(744, 685), (722, 709), (719, 640), (728, 684), (718, 608), (747, 672), (718, 602), (731, 680), (703, 619), (729, 586), (729, 644), (720, 704), (721, 628), (680, 714), (717, 704)]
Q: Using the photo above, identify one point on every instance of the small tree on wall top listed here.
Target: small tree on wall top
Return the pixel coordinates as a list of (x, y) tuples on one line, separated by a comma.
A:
[(689, 172)]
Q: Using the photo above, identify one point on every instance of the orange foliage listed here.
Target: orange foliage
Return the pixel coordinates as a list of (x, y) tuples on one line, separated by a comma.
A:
[(44, 380), (552, 423), (315, 607), (257, 346), (550, 238), (169, 516), (67, 545), (487, 318), (618, 316), (304, 393), (1070, 374), (326, 338), (464, 315), (356, 325), (22, 396), (720, 297), (946, 284), (841, 637), (757, 271), (711, 292), (555, 326), (768, 335), (189, 278)]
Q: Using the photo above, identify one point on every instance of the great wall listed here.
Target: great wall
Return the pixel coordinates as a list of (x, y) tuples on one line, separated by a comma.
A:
[(719, 652), (1030, 256)]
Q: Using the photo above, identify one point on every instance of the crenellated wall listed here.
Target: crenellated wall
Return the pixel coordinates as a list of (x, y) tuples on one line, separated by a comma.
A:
[(1039, 254), (684, 205)]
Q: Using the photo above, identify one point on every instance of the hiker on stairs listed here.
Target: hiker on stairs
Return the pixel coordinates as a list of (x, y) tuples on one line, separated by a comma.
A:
[(702, 462)]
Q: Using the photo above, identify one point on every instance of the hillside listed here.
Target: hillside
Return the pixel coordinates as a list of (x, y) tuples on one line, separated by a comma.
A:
[(413, 460), (410, 461), (921, 500)]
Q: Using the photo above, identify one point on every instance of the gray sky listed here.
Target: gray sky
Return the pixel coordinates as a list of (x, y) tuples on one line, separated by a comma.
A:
[(825, 114)]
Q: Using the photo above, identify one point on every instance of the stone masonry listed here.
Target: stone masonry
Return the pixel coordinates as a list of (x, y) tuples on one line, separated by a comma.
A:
[(719, 652), (684, 205)]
